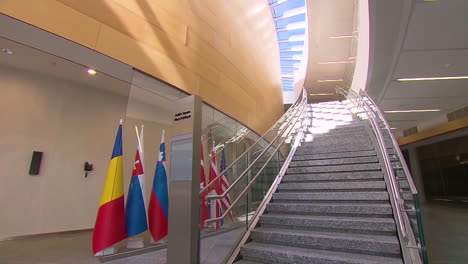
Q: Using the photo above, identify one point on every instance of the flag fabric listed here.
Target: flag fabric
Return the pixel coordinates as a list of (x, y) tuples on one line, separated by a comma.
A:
[(215, 205), (224, 184), (136, 206), (110, 226), (204, 210), (219, 187), (158, 210)]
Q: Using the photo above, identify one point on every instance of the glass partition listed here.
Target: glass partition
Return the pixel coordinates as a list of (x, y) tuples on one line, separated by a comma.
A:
[(250, 175), (70, 113)]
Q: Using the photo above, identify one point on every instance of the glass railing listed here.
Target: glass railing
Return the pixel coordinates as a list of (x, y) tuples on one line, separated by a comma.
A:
[(403, 192), (235, 194)]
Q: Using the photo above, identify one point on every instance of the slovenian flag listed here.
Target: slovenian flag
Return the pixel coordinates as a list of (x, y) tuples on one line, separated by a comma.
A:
[(136, 205), (158, 210), (110, 225)]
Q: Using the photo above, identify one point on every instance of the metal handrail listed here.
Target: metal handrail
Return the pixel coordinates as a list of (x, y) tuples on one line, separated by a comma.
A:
[(372, 111), (268, 196), (409, 178), (286, 115), (233, 184), (394, 142), (297, 116)]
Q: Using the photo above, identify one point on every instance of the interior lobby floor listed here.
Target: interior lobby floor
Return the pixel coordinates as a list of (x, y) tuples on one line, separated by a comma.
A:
[(445, 225), (446, 230), (75, 247)]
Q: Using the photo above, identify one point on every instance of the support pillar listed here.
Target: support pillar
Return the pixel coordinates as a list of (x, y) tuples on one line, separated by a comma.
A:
[(184, 200)]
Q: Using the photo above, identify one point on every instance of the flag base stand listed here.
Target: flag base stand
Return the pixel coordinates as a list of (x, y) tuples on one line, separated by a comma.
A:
[(105, 252), (162, 241), (135, 243)]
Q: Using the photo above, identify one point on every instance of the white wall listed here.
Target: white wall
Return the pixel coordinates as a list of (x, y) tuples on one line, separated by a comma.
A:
[(71, 123), (362, 58)]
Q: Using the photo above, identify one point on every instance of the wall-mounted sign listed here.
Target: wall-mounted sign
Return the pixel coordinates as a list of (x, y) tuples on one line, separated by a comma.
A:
[(182, 115)]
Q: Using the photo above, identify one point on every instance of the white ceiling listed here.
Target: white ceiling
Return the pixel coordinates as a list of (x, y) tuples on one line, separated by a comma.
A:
[(30, 59), (327, 18), (418, 39), (146, 94)]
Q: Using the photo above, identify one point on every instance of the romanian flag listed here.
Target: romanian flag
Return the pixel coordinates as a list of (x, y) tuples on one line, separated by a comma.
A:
[(136, 205), (110, 226), (158, 210)]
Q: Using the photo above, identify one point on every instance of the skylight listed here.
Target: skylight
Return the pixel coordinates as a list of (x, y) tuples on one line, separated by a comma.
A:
[(291, 26)]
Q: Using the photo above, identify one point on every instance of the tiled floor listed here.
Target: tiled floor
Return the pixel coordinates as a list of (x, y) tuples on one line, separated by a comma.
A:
[(445, 225), (75, 248)]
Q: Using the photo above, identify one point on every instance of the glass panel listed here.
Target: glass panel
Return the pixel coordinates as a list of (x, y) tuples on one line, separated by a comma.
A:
[(286, 6), (444, 169), (289, 54), (285, 35), (282, 23), (289, 45), (287, 69), (230, 139), (289, 62)]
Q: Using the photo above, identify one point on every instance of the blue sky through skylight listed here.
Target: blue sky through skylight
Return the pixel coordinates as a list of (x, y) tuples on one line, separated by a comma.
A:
[(290, 22)]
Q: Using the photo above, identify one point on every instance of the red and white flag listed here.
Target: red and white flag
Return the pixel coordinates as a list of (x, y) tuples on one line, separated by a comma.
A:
[(204, 210), (219, 187)]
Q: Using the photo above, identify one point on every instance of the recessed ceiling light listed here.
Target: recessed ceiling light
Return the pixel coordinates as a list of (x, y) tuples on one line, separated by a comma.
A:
[(393, 128), (341, 36), (330, 80), (432, 78), (335, 62), (412, 111), (321, 94), (7, 51), (91, 71)]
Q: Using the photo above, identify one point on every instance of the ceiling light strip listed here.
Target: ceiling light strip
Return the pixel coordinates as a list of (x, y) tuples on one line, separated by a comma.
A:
[(330, 80), (432, 78), (321, 94), (335, 62), (412, 111), (341, 37)]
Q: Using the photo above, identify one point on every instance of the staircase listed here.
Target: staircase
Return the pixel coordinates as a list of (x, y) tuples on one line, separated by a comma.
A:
[(332, 206)]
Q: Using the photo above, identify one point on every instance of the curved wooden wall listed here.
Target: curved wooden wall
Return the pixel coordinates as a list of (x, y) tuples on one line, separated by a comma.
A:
[(223, 50)]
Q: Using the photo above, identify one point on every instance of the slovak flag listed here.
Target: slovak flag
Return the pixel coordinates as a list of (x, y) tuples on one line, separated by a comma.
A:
[(158, 210), (136, 205)]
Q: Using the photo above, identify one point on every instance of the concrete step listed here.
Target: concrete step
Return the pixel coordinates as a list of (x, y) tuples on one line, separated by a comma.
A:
[(361, 133), (382, 245), (404, 185), (335, 168), (329, 186), (247, 262), (330, 140), (336, 155), (340, 161), (348, 128), (338, 144), (277, 254), (330, 196), (334, 176), (344, 209), (331, 223), (304, 150)]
